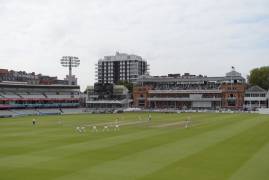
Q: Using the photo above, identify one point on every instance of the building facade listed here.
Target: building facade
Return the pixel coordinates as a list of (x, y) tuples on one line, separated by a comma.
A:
[(141, 95), (107, 96), (255, 97), (29, 78), (190, 92), (25, 96), (121, 67), (233, 95)]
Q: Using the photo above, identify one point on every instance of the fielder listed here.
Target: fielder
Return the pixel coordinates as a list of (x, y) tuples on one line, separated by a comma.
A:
[(117, 127), (105, 129), (34, 122), (94, 129), (78, 129), (188, 122), (149, 117)]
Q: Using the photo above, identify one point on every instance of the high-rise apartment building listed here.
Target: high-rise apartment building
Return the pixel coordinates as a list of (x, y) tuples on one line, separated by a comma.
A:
[(121, 67)]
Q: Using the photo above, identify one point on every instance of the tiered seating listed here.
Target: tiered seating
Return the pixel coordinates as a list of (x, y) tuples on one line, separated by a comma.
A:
[(32, 95), (1, 95), (208, 86), (26, 96), (10, 95), (58, 96)]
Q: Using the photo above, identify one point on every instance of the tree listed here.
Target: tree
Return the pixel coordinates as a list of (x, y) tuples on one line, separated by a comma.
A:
[(127, 84), (259, 77)]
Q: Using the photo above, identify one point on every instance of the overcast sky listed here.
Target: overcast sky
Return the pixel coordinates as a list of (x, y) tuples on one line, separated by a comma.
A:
[(175, 36)]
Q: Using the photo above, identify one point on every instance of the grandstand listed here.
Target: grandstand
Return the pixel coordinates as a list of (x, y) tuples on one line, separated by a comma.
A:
[(25, 96), (190, 91)]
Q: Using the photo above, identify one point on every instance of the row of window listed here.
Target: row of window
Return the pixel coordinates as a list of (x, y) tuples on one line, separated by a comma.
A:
[(255, 95), (121, 70)]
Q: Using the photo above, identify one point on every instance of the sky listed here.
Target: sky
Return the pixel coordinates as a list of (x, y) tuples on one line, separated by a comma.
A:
[(175, 36)]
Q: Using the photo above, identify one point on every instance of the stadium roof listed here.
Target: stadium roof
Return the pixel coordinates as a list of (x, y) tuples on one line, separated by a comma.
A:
[(12, 85), (233, 73), (189, 79), (256, 89)]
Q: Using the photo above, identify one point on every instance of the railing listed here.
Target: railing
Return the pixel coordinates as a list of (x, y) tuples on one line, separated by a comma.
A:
[(184, 91), (57, 105), (181, 99)]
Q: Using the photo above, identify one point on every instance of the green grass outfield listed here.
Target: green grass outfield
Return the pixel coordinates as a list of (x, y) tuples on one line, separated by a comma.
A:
[(218, 146)]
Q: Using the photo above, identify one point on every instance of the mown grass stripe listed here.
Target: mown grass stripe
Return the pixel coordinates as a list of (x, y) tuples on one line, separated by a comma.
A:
[(221, 160), (90, 145), (256, 168), (125, 149), (146, 162)]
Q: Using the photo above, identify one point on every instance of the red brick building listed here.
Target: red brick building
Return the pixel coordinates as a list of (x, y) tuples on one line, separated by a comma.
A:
[(233, 95), (140, 96), (190, 92)]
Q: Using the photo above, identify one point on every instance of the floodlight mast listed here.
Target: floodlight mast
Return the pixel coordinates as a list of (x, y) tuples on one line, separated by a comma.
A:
[(70, 61)]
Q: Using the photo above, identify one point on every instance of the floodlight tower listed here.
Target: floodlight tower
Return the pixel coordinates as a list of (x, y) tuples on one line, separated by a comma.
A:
[(70, 62)]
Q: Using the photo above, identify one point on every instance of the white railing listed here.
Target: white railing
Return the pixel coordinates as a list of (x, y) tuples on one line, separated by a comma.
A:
[(182, 99)]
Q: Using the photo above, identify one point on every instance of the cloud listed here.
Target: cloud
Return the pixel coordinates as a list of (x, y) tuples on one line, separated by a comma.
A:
[(201, 37)]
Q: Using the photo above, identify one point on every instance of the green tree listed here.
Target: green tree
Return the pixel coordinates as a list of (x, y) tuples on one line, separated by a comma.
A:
[(127, 84), (260, 77)]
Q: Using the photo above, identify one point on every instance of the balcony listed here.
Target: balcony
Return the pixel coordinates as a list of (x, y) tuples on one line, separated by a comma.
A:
[(184, 91), (255, 98), (182, 99)]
